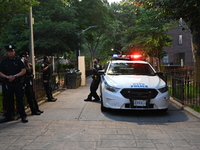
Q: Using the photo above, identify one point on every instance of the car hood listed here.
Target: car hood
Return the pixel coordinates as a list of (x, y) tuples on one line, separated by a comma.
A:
[(134, 81)]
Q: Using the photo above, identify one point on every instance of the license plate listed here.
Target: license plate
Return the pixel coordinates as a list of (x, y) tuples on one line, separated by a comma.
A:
[(139, 103)]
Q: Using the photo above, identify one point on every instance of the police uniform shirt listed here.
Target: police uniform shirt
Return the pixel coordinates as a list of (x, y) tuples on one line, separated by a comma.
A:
[(11, 66), (47, 73), (96, 68)]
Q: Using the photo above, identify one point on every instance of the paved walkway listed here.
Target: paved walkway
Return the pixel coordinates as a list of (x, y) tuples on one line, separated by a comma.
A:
[(72, 124)]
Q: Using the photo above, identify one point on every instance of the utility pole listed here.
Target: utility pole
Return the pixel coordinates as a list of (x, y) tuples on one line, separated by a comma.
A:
[(32, 55)]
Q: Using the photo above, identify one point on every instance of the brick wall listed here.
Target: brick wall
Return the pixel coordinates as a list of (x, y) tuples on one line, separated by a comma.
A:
[(178, 51)]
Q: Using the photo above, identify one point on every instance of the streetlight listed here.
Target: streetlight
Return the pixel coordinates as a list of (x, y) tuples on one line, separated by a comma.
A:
[(79, 51), (81, 59), (120, 52)]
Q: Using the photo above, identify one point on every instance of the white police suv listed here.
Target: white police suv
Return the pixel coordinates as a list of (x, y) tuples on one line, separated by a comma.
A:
[(129, 83)]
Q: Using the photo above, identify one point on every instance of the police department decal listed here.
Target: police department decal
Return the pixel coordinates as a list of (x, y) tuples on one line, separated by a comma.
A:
[(139, 85)]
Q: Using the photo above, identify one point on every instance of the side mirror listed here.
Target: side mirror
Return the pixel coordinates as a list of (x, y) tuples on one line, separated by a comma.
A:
[(160, 74), (101, 72)]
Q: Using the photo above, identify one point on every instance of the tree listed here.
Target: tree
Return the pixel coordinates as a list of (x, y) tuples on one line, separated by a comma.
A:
[(9, 9), (151, 34), (189, 11), (91, 13), (55, 27), (137, 29), (17, 33)]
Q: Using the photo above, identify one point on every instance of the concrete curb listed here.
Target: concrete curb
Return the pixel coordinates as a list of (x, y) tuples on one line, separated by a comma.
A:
[(186, 108)]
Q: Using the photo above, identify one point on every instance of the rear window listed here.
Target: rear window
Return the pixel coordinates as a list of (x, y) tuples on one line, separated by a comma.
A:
[(130, 69)]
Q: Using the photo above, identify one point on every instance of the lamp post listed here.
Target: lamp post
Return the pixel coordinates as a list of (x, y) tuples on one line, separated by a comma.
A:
[(79, 52), (81, 59)]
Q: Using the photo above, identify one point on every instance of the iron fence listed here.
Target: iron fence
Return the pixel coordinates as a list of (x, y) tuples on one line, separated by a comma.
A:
[(57, 83), (183, 87)]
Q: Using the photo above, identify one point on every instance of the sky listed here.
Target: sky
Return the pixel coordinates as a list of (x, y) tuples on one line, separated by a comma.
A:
[(111, 1)]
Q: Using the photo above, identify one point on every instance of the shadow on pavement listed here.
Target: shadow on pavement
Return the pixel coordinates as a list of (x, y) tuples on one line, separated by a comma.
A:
[(172, 115)]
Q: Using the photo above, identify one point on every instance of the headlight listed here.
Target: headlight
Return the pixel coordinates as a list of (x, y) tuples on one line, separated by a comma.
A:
[(164, 89), (111, 88)]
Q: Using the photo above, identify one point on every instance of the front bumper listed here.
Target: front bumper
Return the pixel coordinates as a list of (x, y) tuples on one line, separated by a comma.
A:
[(117, 101)]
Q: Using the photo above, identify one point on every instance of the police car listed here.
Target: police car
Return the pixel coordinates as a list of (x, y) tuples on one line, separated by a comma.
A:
[(130, 83)]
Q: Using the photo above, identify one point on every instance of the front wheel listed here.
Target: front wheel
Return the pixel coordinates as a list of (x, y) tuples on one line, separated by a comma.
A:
[(163, 111), (103, 109)]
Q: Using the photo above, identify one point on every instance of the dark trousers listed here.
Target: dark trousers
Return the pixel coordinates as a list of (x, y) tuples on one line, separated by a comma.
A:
[(11, 90), (48, 89), (93, 88), (30, 95)]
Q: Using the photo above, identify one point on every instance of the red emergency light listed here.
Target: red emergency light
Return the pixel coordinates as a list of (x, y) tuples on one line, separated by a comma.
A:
[(130, 57), (135, 57)]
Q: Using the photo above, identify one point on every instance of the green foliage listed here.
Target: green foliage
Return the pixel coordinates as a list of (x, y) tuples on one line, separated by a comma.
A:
[(92, 13), (9, 9), (12, 36), (138, 29), (37, 67), (196, 108), (54, 28), (62, 67), (61, 28), (189, 11)]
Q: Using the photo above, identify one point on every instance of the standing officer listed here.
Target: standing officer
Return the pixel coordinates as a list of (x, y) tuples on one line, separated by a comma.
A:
[(47, 73), (29, 92), (95, 82), (12, 70)]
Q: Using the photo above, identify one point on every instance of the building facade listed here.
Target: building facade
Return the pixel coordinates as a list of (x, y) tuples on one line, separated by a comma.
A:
[(180, 54)]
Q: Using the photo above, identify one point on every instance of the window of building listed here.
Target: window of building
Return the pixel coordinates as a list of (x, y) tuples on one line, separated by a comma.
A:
[(180, 39), (165, 59), (179, 59)]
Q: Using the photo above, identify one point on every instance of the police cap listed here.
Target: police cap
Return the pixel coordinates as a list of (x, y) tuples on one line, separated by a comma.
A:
[(24, 54), (10, 47)]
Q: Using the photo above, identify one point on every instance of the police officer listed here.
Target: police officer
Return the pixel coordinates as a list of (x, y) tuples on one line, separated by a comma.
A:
[(29, 92), (12, 70), (47, 73), (95, 82)]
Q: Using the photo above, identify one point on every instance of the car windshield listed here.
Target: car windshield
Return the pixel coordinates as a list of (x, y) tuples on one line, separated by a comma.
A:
[(130, 69)]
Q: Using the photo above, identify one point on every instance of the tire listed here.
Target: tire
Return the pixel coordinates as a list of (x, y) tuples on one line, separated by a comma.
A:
[(103, 109), (163, 111)]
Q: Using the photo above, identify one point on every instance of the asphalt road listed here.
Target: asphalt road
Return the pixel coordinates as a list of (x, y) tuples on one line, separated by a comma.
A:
[(73, 124)]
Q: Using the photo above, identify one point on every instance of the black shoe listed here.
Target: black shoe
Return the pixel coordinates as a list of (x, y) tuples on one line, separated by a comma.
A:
[(87, 99), (40, 111), (36, 113), (54, 99), (5, 119), (96, 100), (51, 100), (24, 120)]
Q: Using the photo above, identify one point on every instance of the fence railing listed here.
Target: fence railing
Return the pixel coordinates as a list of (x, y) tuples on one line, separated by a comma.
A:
[(183, 87), (57, 82)]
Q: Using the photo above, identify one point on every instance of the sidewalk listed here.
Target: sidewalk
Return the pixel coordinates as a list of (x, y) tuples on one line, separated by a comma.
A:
[(70, 123)]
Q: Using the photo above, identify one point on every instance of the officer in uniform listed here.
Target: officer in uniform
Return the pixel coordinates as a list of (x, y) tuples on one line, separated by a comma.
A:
[(29, 92), (47, 73), (12, 70), (95, 82)]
